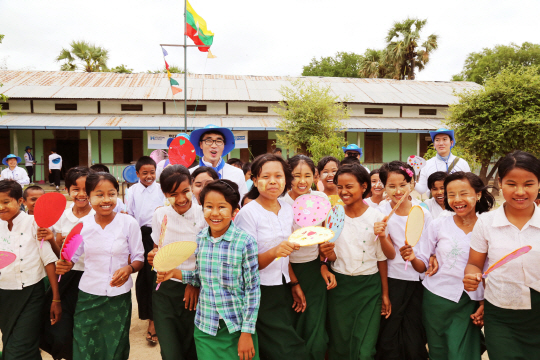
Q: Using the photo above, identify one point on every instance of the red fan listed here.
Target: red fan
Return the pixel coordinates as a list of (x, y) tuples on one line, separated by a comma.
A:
[(181, 152), (71, 243), (49, 209)]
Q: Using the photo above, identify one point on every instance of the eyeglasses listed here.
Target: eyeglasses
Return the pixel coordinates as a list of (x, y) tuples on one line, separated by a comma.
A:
[(209, 142), (352, 154)]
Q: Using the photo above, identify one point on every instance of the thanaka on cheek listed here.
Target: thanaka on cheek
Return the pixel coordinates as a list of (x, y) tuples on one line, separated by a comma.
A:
[(207, 213), (226, 213), (324, 176), (171, 200), (189, 195), (261, 185)]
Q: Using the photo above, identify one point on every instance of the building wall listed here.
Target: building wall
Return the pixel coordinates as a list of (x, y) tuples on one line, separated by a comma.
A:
[(47, 107), (408, 146), (414, 111), (115, 107), (388, 110), (390, 146), (18, 106), (241, 108), (212, 108)]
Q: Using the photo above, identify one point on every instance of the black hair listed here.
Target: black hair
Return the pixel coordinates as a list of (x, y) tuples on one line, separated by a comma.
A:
[(145, 160), (100, 168), (298, 159), (235, 161), (486, 201), (359, 172), (53, 150), (172, 176), (215, 132), (75, 173), (30, 188), (349, 160), (12, 188), (203, 169), (436, 176), (246, 167), (398, 167), (277, 150), (227, 188), (94, 178), (374, 171), (243, 202), (256, 168), (325, 160), (519, 159)]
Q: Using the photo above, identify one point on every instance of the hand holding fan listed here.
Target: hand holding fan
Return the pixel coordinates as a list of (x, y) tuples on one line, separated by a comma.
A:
[(172, 255), (6, 258), (181, 151), (71, 243), (414, 227), (507, 258), (405, 196), (48, 210), (335, 200), (311, 235), (310, 210)]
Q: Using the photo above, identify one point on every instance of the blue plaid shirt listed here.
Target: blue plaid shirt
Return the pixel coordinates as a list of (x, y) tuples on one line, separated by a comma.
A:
[(228, 275)]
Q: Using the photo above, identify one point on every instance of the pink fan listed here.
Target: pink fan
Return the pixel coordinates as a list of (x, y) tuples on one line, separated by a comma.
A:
[(6, 258), (507, 258), (310, 210), (71, 243)]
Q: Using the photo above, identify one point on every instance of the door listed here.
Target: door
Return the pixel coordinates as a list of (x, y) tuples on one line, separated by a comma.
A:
[(83, 153), (137, 149), (118, 147), (5, 143), (373, 148)]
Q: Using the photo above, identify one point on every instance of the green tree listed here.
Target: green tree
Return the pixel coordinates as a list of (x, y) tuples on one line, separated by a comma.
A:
[(501, 117), (375, 65), (479, 65), (311, 118), (3, 98), (121, 69), (344, 64), (85, 56)]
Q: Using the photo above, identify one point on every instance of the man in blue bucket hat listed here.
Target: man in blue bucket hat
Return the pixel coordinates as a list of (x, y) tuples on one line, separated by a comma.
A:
[(443, 142), (14, 172), (211, 144)]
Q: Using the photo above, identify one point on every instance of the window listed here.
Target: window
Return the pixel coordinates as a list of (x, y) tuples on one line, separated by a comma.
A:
[(63, 107), (427, 112), (5, 106), (131, 107), (196, 108), (373, 111), (258, 109)]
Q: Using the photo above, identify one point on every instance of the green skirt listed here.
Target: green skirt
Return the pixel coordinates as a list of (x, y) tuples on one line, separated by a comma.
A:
[(513, 334), (222, 346), (450, 331), (311, 324), (20, 320), (101, 327), (278, 339), (174, 323), (354, 316)]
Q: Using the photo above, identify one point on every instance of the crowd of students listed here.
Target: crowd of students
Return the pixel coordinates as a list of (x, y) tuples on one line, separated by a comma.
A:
[(249, 293)]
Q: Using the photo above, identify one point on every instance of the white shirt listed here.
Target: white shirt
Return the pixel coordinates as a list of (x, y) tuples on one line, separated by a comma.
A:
[(27, 160), (396, 230), (107, 250), (434, 165), (55, 162), (371, 203), (67, 221), (232, 173), (356, 250), (509, 286), (306, 253), (18, 174), (436, 210), (183, 227), (29, 267), (143, 201), (451, 247), (269, 230)]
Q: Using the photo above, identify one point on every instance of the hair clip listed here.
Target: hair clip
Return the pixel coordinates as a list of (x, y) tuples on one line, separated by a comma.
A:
[(408, 171)]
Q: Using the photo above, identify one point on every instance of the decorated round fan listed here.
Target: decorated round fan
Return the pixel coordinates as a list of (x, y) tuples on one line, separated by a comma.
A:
[(310, 210), (416, 162), (48, 210), (6, 258), (336, 200), (311, 235), (158, 155), (335, 221), (172, 255), (71, 243), (130, 174), (414, 227), (181, 152)]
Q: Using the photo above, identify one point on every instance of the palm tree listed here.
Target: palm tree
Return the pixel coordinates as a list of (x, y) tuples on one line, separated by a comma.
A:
[(374, 65), (84, 56), (402, 49)]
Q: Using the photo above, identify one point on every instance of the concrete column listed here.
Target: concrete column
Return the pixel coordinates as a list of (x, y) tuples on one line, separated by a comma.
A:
[(15, 143), (418, 144), (89, 148)]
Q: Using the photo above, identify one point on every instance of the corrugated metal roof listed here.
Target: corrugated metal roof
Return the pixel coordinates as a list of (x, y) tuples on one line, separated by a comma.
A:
[(75, 85), (170, 122)]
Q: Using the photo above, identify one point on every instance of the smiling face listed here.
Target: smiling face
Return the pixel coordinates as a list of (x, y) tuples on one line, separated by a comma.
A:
[(77, 192), (349, 189), (199, 183), (147, 175), (461, 197), (212, 153), (437, 191), (442, 143), (103, 198), (12, 163), (217, 212), (327, 175), (31, 197), (396, 187), (520, 188), (302, 179), (180, 198), (377, 187), (9, 207), (271, 181)]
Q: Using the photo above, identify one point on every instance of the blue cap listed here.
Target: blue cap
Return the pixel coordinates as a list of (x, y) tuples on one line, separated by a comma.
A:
[(195, 138), (11, 156), (352, 147), (445, 132)]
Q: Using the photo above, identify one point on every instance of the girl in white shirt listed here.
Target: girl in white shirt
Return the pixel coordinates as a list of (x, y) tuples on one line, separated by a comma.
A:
[(402, 335), (377, 190), (512, 295), (355, 306), (452, 317), (270, 220), (327, 167), (103, 314), (310, 324), (175, 302)]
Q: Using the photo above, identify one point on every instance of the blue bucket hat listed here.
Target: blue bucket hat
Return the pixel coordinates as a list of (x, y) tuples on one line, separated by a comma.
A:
[(195, 138), (169, 141), (11, 156), (352, 147), (445, 132)]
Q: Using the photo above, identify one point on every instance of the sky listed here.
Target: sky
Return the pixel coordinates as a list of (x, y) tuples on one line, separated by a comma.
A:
[(253, 37)]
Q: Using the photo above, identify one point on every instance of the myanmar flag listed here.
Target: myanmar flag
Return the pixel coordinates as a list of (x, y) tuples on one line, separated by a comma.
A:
[(197, 30)]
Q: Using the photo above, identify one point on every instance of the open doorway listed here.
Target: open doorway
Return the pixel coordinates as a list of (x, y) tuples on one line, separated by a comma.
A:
[(69, 150)]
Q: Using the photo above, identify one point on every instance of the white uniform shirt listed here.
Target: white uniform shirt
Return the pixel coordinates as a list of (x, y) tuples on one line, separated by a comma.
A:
[(396, 229), (18, 174), (27, 160), (356, 250), (306, 253), (67, 221), (107, 250), (55, 162), (434, 165), (436, 210), (451, 247), (232, 173), (371, 203), (269, 230), (143, 201), (508, 287), (183, 227), (29, 267)]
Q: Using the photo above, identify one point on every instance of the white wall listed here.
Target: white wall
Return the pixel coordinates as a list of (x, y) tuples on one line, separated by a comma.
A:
[(47, 107), (413, 111), (115, 107), (388, 110), (241, 108), (212, 108), (18, 106)]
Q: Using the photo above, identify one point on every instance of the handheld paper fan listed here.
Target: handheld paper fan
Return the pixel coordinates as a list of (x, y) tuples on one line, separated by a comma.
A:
[(130, 174), (6, 258), (507, 258), (416, 162), (335, 221), (405, 196), (162, 231), (414, 227), (71, 243), (310, 210), (48, 210), (311, 235), (158, 155), (335, 200), (181, 151), (172, 255)]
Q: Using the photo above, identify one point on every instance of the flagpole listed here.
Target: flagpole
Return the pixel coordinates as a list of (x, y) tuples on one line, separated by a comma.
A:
[(185, 66)]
